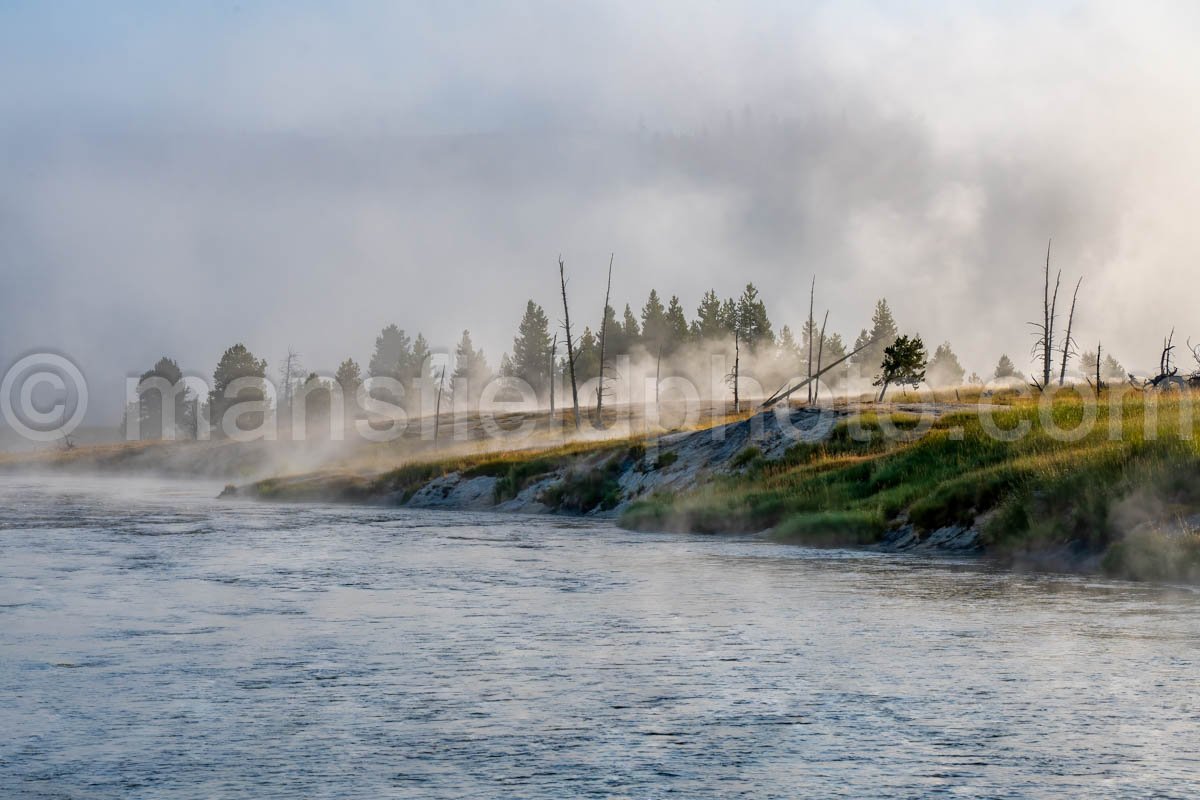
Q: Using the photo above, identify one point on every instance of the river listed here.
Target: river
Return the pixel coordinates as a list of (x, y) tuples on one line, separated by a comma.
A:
[(158, 643)]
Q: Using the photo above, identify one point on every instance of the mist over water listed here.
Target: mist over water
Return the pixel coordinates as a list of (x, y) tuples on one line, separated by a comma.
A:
[(157, 643)]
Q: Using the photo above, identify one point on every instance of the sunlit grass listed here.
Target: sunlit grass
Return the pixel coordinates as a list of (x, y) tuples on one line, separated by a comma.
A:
[(1056, 485)]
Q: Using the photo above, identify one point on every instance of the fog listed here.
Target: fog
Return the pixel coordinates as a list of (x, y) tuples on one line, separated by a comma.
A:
[(172, 182)]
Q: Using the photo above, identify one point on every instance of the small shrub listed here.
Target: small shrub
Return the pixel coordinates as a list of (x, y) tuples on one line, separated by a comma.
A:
[(665, 460), (746, 457)]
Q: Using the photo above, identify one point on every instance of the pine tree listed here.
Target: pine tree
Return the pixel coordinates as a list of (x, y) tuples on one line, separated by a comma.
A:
[(903, 363), (418, 362), (349, 378), (786, 344), (531, 346), (471, 371), (883, 331), (754, 326), (150, 403), (392, 356), (676, 325), (835, 350), (630, 329), (587, 356), (944, 369), (654, 323), (237, 362), (710, 322), (1005, 369)]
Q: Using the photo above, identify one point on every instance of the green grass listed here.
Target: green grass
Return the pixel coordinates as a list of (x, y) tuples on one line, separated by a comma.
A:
[(1044, 492)]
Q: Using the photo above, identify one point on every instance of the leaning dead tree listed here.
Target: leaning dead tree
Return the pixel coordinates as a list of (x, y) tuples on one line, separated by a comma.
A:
[(603, 332), (785, 392), (1045, 328), (1068, 344), (1168, 373), (562, 277)]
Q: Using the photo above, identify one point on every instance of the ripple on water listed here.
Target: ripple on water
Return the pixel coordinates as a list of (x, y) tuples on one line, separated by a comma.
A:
[(157, 643)]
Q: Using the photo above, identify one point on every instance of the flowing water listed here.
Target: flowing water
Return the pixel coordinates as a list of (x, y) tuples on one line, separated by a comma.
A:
[(157, 643)]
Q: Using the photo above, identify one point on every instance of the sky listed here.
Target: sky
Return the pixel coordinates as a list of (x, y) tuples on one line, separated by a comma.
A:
[(177, 178)]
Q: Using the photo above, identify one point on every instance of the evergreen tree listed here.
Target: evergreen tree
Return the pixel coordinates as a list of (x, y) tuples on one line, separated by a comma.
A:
[(944, 369), (1005, 369), (318, 404), (531, 348), (903, 363), (654, 323), (150, 403), (786, 344), (349, 377), (630, 329), (883, 331), (418, 363), (470, 366), (615, 343), (587, 357), (237, 362), (754, 326), (676, 324), (710, 322), (835, 350), (1111, 369), (392, 356), (730, 317)]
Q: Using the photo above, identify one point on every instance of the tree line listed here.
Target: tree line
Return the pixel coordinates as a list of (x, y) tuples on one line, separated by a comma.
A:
[(659, 331)]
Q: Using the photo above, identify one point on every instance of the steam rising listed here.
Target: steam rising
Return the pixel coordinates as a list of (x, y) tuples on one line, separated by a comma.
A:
[(289, 176)]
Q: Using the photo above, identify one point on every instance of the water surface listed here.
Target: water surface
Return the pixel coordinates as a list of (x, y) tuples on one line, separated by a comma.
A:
[(157, 643)]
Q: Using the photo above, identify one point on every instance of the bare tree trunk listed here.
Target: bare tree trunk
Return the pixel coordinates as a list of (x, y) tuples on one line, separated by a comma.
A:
[(820, 351), (1097, 369), (657, 376), (437, 407), (562, 277), (553, 355), (782, 393), (811, 292), (603, 331), (1049, 310), (737, 359), (883, 391), (1066, 348)]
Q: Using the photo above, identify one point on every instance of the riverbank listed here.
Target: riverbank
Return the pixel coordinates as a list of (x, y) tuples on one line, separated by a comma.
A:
[(1080, 488)]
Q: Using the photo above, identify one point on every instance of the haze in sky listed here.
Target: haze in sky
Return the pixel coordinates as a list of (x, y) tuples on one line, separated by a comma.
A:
[(299, 174)]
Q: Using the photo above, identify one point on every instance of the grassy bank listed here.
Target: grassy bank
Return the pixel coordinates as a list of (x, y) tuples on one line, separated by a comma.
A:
[(591, 469), (1105, 492)]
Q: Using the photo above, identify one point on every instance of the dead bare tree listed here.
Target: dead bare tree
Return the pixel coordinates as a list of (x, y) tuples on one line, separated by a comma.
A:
[(603, 332), (553, 355), (820, 351), (812, 289), (787, 391), (562, 277), (1068, 345), (1045, 329), (1099, 383), (1168, 374), (437, 407)]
